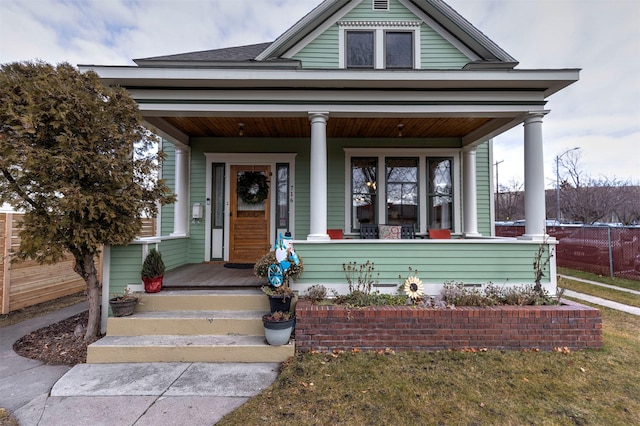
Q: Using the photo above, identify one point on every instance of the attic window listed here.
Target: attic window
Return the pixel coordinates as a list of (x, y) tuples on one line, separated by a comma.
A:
[(380, 4)]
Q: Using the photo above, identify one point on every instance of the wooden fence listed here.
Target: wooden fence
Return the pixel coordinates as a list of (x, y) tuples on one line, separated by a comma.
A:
[(26, 283)]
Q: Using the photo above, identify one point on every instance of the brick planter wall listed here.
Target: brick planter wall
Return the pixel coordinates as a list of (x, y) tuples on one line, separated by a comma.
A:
[(403, 328)]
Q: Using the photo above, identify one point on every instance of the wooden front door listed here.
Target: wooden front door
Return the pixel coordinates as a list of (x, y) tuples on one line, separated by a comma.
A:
[(249, 237)]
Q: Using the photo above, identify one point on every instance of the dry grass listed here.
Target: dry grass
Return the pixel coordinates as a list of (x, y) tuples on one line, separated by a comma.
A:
[(463, 387), (598, 291), (618, 282)]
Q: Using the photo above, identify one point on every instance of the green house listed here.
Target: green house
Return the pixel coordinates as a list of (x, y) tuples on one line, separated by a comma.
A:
[(372, 115)]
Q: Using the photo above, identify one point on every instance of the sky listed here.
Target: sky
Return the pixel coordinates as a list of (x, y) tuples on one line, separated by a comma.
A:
[(600, 114)]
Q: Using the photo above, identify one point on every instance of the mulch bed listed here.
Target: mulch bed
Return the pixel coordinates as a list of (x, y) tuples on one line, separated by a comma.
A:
[(61, 343)]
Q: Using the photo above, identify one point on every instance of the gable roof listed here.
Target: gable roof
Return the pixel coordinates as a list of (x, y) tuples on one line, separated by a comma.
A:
[(447, 21), (440, 16)]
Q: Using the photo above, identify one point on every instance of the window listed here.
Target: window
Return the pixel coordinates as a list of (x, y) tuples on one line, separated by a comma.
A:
[(364, 188), (391, 186), (402, 190), (360, 49), (282, 195), (399, 50), (440, 193), (217, 210)]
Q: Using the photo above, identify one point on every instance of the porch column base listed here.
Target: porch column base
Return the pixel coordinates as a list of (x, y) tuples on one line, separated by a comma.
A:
[(472, 234)]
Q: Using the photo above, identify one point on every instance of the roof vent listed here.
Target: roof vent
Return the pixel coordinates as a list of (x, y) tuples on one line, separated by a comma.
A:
[(380, 4)]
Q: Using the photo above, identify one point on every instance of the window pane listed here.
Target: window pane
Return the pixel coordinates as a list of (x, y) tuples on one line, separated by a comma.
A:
[(218, 196), (282, 195), (360, 49), (440, 193), (364, 188), (402, 190), (399, 50)]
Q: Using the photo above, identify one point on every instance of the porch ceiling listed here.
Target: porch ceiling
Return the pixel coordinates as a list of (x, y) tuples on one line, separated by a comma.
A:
[(337, 127)]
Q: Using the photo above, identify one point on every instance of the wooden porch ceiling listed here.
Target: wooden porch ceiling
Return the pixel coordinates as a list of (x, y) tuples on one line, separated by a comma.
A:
[(336, 127)]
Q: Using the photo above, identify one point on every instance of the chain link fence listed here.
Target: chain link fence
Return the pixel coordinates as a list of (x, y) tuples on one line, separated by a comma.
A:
[(602, 250)]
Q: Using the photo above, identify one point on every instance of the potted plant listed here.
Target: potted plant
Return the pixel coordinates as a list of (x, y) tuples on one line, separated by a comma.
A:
[(278, 327), (124, 304), (152, 271), (279, 266)]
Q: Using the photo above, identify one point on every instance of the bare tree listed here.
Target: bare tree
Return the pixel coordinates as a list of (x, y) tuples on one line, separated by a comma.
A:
[(510, 201), (587, 199)]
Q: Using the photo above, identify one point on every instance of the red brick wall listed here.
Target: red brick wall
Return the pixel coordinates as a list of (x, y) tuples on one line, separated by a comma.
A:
[(402, 328)]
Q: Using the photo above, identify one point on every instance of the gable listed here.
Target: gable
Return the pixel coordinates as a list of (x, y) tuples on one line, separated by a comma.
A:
[(326, 50)]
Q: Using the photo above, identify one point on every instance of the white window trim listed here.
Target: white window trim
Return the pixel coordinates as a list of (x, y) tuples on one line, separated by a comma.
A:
[(230, 159), (421, 154), (379, 28)]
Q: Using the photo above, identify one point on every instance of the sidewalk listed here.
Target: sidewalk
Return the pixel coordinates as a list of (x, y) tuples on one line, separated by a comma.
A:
[(600, 301), (121, 394)]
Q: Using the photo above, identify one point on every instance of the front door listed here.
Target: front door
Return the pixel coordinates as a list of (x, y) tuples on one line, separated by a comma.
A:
[(249, 225)]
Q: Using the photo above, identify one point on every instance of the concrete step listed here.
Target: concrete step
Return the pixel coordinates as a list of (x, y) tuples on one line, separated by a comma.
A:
[(197, 348), (204, 300), (188, 323)]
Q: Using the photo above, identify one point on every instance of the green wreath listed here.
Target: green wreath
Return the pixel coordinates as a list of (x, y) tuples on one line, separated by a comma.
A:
[(253, 187)]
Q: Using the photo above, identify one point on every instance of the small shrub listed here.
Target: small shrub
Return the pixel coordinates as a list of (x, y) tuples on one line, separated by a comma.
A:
[(360, 277), (317, 293), (490, 295)]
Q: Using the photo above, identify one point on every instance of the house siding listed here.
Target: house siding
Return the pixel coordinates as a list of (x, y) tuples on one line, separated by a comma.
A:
[(435, 262), (483, 189), (436, 52)]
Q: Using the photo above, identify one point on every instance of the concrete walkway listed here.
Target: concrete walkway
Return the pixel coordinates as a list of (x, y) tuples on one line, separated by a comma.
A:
[(121, 394), (137, 394), (600, 301)]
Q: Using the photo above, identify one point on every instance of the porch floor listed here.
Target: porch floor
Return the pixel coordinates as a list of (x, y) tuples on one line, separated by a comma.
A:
[(214, 275)]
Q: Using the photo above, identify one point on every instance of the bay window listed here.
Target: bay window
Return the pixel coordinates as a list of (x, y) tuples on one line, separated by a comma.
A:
[(417, 188)]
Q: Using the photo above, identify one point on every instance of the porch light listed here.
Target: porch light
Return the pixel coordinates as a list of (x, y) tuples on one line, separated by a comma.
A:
[(371, 185)]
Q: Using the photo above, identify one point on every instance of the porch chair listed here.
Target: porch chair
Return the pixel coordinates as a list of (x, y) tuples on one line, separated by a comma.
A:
[(408, 232), (440, 234), (335, 234), (368, 231)]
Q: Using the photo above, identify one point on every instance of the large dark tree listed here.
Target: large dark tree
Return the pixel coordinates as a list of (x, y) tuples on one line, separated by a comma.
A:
[(75, 158)]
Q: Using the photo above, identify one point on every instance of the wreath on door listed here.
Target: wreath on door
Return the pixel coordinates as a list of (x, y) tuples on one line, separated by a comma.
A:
[(253, 187)]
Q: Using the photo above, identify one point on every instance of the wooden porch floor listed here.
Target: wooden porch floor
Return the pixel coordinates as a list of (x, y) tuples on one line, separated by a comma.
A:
[(210, 275)]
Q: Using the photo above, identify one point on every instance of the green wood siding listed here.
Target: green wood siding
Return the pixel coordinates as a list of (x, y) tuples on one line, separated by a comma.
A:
[(322, 52), (175, 252), (436, 263), (124, 267), (436, 52), (483, 189)]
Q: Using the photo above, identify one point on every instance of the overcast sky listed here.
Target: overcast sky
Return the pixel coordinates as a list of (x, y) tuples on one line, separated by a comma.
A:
[(600, 113)]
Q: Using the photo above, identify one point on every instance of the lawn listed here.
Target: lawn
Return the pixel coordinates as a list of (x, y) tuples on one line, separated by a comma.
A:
[(460, 387), (599, 291)]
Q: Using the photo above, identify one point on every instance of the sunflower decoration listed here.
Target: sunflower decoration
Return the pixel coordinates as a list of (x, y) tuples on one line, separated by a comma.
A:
[(413, 288)]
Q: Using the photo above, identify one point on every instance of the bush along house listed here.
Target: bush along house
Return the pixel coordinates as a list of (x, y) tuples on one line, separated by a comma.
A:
[(370, 120)]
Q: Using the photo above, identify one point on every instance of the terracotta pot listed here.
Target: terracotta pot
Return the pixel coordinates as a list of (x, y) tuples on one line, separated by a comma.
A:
[(152, 285)]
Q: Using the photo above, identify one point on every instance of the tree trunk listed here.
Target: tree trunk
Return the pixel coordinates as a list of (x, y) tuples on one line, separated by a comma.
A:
[(86, 268)]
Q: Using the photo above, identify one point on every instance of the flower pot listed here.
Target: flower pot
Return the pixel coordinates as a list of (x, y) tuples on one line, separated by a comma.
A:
[(122, 308), (152, 285), (277, 333), (278, 302)]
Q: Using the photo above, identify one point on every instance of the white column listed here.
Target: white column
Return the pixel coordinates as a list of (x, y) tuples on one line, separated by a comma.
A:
[(318, 177), (534, 203), (181, 207), (470, 193)]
